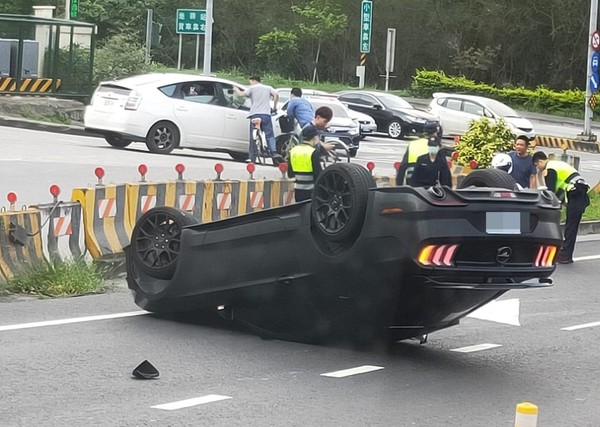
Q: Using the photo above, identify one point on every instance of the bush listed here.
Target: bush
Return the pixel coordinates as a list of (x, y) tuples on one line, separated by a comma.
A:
[(482, 140), (118, 58)]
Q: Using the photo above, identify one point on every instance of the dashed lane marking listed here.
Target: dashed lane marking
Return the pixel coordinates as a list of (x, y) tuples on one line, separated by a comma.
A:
[(352, 371), (586, 258), (191, 402), (473, 348), (72, 320), (582, 326)]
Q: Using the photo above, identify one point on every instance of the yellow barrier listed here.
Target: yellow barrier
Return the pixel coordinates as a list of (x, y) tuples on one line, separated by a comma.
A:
[(565, 144), (29, 85), (106, 220), (20, 241)]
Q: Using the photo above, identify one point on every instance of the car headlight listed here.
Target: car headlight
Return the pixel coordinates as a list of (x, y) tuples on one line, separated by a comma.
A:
[(416, 119)]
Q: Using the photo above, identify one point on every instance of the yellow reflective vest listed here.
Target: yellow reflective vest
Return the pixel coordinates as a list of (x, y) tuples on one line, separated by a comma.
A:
[(301, 162)]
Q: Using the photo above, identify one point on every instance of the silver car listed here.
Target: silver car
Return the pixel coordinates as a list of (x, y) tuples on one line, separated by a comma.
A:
[(456, 112)]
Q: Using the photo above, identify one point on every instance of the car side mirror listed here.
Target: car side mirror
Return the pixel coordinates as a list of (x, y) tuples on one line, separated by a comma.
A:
[(376, 107)]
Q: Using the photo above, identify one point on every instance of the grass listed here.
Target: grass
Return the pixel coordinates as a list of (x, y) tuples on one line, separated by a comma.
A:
[(58, 279)]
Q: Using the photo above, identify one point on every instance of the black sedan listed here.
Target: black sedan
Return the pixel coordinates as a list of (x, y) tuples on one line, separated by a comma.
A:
[(392, 263), (392, 114)]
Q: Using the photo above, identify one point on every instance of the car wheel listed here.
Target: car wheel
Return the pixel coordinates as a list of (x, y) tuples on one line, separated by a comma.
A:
[(162, 138), (339, 202), (395, 130), (488, 178), (117, 141), (240, 157), (156, 240)]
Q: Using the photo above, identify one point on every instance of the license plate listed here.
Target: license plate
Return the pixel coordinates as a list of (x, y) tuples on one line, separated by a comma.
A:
[(506, 222), (108, 102)]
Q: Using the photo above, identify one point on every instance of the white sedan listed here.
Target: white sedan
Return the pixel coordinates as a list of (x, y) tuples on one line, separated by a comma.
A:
[(457, 111), (168, 111)]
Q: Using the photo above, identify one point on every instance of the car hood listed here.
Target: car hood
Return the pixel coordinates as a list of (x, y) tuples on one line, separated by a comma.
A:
[(416, 113), (519, 122)]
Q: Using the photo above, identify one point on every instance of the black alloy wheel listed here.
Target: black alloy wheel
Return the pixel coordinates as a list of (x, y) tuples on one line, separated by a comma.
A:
[(117, 141), (162, 138)]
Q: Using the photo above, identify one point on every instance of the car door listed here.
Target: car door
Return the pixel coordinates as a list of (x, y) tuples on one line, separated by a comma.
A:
[(202, 120), (452, 117), (237, 125), (377, 110), (471, 111)]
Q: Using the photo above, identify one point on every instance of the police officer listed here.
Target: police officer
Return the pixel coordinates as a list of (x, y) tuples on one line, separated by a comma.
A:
[(570, 187), (432, 168), (415, 149), (305, 163)]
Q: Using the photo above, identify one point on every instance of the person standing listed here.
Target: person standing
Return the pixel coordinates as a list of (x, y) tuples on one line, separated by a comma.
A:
[(305, 163), (523, 170), (415, 149), (260, 96), (431, 168), (299, 108), (570, 187)]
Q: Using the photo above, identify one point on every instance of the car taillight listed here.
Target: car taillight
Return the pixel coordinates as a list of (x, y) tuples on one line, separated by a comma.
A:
[(437, 255), (545, 256), (133, 101)]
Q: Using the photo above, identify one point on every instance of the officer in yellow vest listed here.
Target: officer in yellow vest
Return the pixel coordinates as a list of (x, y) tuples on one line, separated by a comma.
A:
[(416, 149), (305, 163), (570, 187)]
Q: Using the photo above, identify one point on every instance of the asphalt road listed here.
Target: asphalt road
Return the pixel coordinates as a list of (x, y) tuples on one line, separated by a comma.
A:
[(75, 372), (79, 373)]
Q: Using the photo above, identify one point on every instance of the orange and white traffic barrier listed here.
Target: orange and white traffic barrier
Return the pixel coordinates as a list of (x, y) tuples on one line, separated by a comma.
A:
[(62, 230)]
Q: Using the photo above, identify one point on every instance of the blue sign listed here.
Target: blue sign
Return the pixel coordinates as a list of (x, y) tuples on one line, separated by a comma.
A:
[(595, 62), (594, 82)]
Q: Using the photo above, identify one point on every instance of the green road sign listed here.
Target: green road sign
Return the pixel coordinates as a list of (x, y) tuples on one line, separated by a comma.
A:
[(366, 22), (191, 21), (73, 9)]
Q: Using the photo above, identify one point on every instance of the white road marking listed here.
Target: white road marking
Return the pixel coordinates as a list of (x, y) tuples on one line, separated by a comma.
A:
[(191, 402), (505, 311), (586, 258), (477, 347), (72, 320), (352, 371), (583, 326)]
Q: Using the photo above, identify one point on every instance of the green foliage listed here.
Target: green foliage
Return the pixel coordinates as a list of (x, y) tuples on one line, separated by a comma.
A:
[(72, 67), (542, 99), (482, 141), (119, 57), (278, 49), (57, 279)]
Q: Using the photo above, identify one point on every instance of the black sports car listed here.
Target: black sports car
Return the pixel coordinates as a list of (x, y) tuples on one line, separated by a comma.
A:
[(398, 262)]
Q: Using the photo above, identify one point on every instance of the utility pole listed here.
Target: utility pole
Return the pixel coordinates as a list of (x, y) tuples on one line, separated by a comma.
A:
[(587, 122), (208, 38), (149, 18)]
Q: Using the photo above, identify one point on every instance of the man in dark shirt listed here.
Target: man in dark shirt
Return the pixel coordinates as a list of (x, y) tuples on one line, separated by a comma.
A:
[(431, 168), (523, 169)]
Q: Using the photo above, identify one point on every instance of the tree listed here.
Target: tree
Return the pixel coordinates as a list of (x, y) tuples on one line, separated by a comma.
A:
[(321, 19), (279, 49)]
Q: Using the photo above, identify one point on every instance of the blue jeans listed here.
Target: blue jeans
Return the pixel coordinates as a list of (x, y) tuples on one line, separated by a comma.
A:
[(267, 126)]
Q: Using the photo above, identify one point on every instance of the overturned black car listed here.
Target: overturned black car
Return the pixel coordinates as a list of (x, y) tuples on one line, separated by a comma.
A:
[(396, 262)]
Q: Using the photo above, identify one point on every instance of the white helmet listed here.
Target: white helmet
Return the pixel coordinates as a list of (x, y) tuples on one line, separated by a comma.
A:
[(502, 161)]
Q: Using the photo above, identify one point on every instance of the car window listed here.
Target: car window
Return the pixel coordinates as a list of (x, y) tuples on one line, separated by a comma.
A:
[(368, 100), (201, 92), (228, 98), (393, 101), (472, 108), (453, 104), (168, 90), (337, 107), (353, 98)]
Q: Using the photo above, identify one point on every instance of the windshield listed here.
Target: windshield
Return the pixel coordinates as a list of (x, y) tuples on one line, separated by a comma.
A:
[(338, 108), (500, 109), (392, 101)]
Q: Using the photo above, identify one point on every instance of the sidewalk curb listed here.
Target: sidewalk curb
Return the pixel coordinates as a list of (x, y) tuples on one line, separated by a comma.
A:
[(22, 123)]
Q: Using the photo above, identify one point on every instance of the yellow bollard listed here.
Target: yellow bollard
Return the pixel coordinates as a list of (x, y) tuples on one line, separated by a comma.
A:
[(526, 415)]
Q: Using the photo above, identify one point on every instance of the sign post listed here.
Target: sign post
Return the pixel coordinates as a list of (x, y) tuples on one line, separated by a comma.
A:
[(390, 53), (592, 76), (366, 22), (189, 21)]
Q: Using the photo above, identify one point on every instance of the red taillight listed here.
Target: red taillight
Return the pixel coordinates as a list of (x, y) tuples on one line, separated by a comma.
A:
[(545, 256), (437, 255)]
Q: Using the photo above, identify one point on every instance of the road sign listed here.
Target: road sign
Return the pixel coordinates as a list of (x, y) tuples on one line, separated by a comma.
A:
[(594, 82), (595, 62), (366, 22), (73, 9), (190, 21), (596, 40)]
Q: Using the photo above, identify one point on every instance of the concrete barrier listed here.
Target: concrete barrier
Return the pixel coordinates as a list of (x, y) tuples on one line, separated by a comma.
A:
[(20, 242), (565, 144)]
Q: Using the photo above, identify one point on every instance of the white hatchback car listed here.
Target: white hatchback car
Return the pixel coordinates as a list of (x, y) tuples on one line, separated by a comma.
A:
[(168, 111), (457, 111)]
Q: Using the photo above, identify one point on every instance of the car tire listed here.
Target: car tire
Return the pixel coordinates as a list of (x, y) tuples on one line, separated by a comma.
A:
[(156, 240), (339, 201), (240, 157), (488, 178), (117, 141), (395, 129), (162, 138)]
